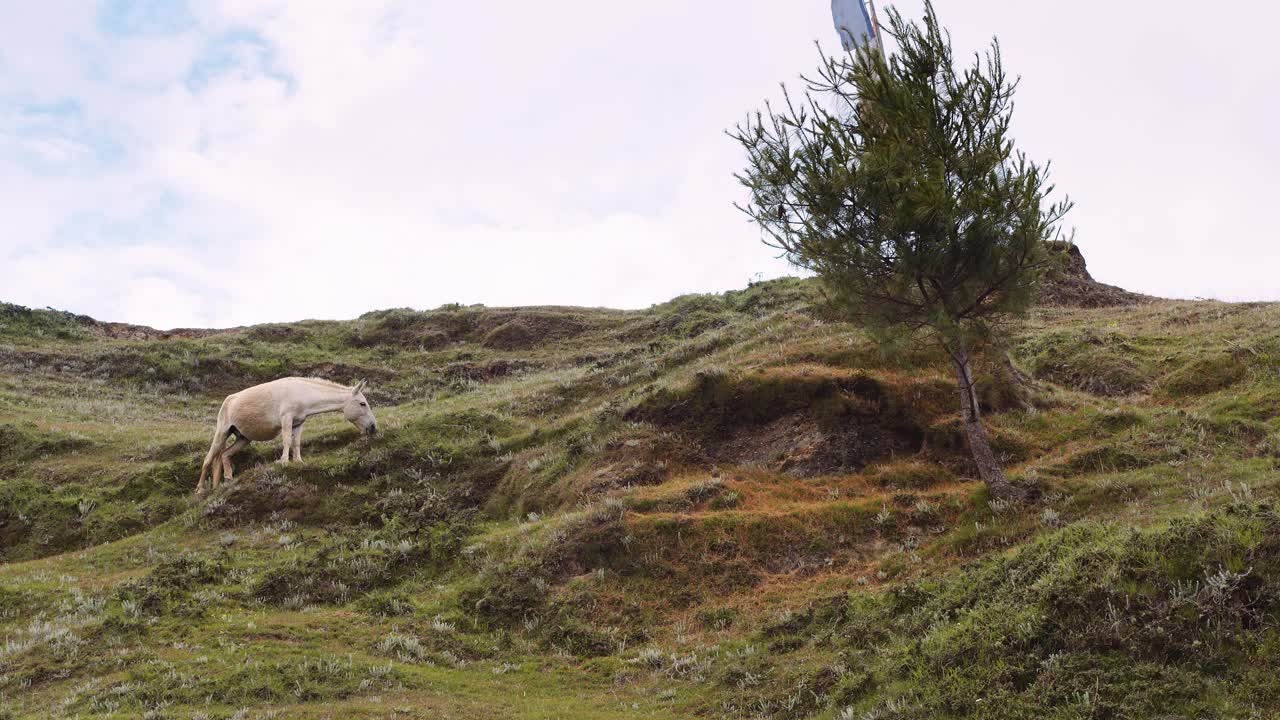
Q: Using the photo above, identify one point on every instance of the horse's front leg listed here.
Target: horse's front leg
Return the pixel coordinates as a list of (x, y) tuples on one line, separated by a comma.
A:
[(297, 443), (286, 434)]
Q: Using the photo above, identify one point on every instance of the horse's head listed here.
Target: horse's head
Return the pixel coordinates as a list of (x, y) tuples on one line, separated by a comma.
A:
[(357, 411)]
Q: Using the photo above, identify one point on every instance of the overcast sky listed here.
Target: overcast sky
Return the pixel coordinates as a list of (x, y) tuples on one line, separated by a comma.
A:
[(238, 161)]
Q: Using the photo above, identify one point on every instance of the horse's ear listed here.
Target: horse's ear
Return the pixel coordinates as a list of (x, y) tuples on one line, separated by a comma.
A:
[(359, 388)]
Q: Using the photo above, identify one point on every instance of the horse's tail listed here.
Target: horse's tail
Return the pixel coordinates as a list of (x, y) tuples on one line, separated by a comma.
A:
[(216, 447)]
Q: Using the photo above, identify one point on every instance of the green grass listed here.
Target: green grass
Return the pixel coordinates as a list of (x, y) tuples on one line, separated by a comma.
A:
[(724, 506)]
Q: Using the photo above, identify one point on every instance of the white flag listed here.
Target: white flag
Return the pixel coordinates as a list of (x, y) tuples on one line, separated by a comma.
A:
[(853, 22)]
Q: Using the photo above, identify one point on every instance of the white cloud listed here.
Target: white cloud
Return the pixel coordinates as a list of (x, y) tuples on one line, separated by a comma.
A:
[(363, 155)]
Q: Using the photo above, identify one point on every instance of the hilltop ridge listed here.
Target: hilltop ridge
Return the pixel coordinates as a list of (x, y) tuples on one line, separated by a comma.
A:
[(1068, 284)]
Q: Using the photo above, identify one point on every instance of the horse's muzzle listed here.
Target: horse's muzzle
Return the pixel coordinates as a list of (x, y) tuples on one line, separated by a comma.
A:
[(373, 430)]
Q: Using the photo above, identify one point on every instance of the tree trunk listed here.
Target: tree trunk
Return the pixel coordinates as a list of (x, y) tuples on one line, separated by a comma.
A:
[(1022, 383), (1015, 372), (988, 467)]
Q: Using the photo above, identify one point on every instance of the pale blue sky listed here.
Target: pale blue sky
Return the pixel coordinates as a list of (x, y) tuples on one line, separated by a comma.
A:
[(220, 162)]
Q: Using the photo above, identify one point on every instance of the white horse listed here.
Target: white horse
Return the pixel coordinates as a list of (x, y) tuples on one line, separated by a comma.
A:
[(280, 407)]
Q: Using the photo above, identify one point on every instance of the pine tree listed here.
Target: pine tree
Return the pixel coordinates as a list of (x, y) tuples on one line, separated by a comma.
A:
[(895, 181)]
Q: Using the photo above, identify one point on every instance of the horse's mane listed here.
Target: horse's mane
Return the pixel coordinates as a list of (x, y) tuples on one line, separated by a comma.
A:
[(327, 383)]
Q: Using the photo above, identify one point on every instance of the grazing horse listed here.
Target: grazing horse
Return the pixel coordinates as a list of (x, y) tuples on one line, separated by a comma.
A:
[(279, 408)]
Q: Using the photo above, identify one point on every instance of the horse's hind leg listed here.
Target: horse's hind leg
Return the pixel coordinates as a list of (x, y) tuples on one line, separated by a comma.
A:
[(213, 458), (227, 472)]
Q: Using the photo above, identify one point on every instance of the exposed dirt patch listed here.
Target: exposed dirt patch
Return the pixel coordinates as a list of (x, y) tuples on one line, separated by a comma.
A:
[(250, 500), (805, 422), (486, 371), (798, 445)]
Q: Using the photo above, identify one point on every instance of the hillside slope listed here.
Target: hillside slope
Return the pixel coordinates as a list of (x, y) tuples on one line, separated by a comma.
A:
[(724, 506)]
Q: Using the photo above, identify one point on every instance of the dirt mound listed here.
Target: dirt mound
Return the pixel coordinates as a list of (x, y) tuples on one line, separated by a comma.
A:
[(405, 327), (1070, 284), (531, 328), (513, 335), (259, 498)]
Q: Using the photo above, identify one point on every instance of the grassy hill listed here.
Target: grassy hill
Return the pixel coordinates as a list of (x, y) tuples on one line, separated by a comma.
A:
[(724, 506)]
